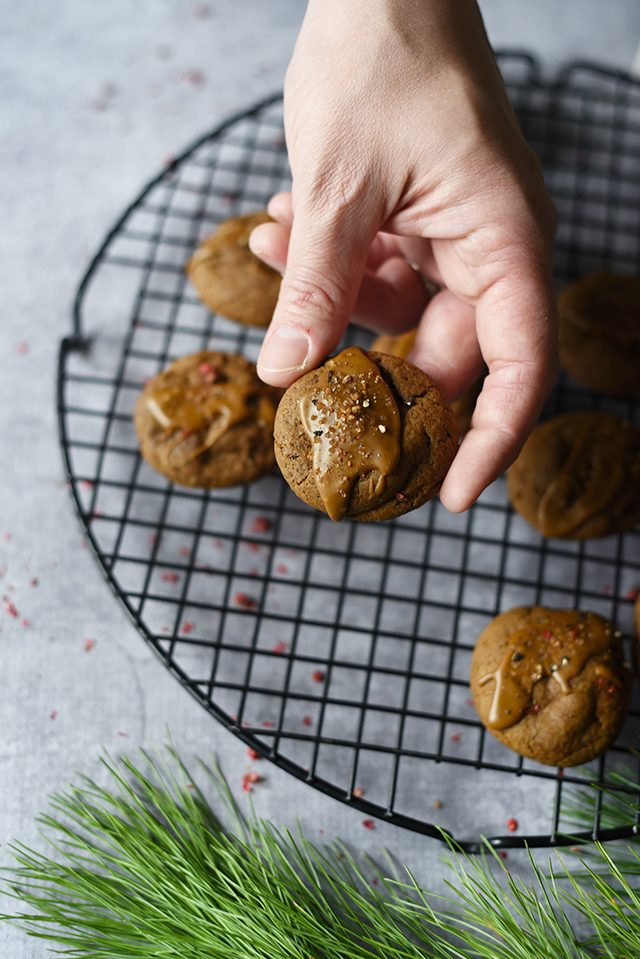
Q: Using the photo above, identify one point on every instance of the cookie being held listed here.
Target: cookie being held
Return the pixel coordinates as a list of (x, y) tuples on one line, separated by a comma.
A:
[(600, 332), (366, 436), (578, 476), (401, 345), (551, 684), (207, 421), (229, 279)]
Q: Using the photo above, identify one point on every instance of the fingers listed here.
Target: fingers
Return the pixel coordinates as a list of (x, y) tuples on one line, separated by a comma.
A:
[(517, 333), (446, 346), (325, 262)]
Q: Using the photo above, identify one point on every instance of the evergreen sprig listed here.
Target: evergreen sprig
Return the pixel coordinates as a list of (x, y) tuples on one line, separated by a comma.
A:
[(143, 867)]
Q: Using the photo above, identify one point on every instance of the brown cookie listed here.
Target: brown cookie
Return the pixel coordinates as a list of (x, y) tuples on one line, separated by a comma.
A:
[(207, 421), (578, 476), (366, 436), (401, 345), (600, 332), (229, 279), (551, 684)]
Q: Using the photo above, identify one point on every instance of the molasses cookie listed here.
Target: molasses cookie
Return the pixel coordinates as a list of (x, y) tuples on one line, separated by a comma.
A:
[(600, 332), (207, 421), (229, 279), (366, 436), (401, 345), (578, 476), (551, 684)]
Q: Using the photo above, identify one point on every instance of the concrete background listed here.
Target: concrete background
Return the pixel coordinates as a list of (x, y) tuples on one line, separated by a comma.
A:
[(94, 97)]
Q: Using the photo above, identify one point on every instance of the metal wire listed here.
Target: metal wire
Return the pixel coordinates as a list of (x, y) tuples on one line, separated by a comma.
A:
[(341, 652)]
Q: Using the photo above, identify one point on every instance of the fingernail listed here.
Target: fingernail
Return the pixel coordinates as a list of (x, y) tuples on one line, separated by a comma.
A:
[(284, 351)]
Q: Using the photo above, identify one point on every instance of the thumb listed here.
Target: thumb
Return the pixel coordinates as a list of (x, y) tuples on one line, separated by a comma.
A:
[(326, 261)]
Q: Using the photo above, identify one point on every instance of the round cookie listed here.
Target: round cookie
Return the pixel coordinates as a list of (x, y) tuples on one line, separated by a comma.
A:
[(207, 421), (366, 436), (551, 684), (600, 332), (229, 279), (578, 476), (401, 345)]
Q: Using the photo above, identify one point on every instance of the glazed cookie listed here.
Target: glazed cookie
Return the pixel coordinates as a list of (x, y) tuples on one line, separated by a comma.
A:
[(366, 436), (600, 332), (401, 346), (551, 684), (207, 421), (229, 279), (578, 476)]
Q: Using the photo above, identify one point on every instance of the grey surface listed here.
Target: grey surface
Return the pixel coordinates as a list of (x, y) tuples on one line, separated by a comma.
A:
[(95, 96)]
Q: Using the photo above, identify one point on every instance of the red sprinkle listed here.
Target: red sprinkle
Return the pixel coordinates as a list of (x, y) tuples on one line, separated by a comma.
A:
[(282, 569), (34, 582), (368, 824), (169, 577), (280, 647), (188, 627), (611, 689), (249, 780), (503, 854), (86, 484), (245, 601), (318, 676), (307, 721), (123, 734), (254, 547), (26, 623), (261, 524), (88, 645), (253, 753), (195, 77), (209, 373), (53, 714), (268, 723), (10, 608), (512, 824), (456, 737)]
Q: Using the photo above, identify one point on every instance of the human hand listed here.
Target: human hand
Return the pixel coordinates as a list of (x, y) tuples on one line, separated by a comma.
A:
[(403, 147)]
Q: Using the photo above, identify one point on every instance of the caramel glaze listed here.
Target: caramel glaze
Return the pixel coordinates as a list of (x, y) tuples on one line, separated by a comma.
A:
[(558, 648), (353, 422), (204, 406), (601, 465)]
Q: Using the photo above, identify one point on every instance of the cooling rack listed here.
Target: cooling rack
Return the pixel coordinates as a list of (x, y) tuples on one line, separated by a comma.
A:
[(341, 651)]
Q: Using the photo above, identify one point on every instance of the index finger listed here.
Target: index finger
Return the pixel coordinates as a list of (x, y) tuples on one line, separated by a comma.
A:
[(517, 331)]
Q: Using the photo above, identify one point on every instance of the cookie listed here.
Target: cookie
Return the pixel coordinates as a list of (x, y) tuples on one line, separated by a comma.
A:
[(229, 279), (578, 476), (366, 436), (401, 345), (207, 421), (600, 332), (551, 684)]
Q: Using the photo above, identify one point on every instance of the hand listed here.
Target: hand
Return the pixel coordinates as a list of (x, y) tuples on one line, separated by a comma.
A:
[(403, 147)]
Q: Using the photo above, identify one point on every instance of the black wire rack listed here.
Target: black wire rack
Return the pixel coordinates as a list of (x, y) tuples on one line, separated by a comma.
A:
[(341, 651)]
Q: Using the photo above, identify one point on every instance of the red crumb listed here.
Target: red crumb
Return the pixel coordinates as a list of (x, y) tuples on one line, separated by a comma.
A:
[(307, 721), (88, 645), (195, 77), (245, 601), (261, 524), (512, 824), (86, 484), (456, 737), (318, 675), (53, 714), (253, 753), (253, 546), (268, 723), (169, 576), (123, 734), (280, 647), (188, 627), (22, 347), (10, 608), (282, 569), (632, 593), (249, 780), (26, 623), (210, 374), (503, 854), (548, 634), (368, 824), (358, 792)]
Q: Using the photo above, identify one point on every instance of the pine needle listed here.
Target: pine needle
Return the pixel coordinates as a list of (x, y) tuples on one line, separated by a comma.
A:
[(143, 867)]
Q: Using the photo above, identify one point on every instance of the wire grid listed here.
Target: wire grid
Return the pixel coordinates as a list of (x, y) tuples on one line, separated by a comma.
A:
[(342, 651)]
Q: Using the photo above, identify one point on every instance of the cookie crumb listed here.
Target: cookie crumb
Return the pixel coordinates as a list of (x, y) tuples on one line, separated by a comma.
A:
[(318, 675), (512, 824), (368, 824), (245, 601), (437, 804)]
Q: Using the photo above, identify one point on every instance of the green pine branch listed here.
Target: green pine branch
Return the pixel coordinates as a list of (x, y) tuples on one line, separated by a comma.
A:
[(143, 867)]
